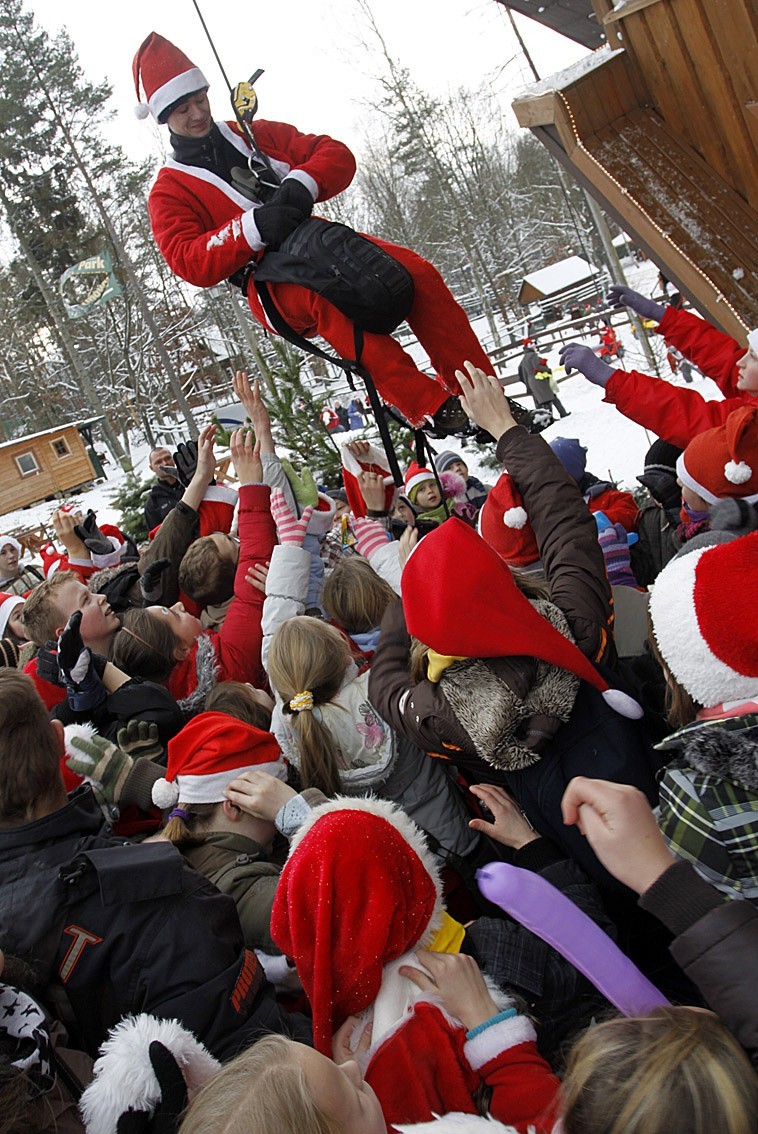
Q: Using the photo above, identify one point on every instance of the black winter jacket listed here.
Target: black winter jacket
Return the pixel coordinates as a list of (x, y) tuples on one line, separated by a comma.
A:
[(161, 498), (121, 928)]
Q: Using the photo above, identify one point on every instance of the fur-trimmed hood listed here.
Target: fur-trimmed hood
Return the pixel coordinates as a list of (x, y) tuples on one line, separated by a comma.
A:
[(725, 748)]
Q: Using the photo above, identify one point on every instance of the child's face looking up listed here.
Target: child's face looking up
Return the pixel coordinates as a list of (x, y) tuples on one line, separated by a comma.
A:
[(428, 496)]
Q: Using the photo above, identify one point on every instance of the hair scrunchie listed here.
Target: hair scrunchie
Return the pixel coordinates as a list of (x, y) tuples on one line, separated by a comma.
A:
[(301, 701)]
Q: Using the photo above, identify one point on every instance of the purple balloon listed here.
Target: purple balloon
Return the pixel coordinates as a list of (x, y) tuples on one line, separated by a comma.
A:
[(536, 904)]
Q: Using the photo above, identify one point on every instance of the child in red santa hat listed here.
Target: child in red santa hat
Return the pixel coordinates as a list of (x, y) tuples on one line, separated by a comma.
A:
[(359, 909)]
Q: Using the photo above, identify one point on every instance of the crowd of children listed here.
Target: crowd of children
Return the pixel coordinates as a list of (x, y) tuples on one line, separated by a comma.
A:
[(253, 778)]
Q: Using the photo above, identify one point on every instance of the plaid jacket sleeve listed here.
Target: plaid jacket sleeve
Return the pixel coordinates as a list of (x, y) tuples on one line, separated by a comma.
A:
[(712, 823)]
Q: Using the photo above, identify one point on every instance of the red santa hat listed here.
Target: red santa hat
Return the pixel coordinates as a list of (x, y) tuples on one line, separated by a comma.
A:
[(415, 476), (210, 752), (487, 617), (8, 604), (51, 559), (216, 510), (360, 889), (504, 524), (709, 639), (724, 461), (168, 77), (374, 460)]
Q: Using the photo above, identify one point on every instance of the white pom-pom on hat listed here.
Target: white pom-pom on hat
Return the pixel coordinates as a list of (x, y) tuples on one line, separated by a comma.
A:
[(621, 703), (737, 472), (165, 794), (515, 518), (141, 111)]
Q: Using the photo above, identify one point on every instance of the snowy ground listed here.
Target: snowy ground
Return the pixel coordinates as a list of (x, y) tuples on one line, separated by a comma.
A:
[(616, 446)]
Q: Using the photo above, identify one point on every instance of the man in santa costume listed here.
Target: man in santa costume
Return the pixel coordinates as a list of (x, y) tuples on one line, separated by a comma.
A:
[(209, 227)]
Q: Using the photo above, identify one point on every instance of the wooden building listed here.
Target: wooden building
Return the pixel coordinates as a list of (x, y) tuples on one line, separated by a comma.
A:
[(45, 465), (661, 125)]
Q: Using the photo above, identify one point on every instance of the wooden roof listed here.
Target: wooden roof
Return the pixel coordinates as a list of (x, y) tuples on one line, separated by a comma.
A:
[(575, 19)]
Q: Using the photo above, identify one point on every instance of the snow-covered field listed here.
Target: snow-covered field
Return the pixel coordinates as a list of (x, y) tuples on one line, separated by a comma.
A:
[(616, 446)]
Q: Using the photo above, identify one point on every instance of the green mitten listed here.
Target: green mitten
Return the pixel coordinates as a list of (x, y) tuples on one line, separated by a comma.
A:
[(102, 764), (303, 487), (140, 738)]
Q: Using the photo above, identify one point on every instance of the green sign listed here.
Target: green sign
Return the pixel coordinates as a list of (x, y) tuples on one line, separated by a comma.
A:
[(88, 284)]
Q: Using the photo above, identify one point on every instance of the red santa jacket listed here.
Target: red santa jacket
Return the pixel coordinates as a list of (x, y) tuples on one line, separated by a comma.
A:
[(671, 412), (206, 230), (237, 647), (426, 1066)]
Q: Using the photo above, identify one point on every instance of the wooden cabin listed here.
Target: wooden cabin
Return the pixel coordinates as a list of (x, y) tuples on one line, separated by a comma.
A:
[(660, 124), (44, 465)]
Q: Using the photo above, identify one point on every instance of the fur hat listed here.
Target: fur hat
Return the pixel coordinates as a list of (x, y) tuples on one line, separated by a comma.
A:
[(504, 524), (210, 752), (415, 476), (8, 604), (724, 461), (707, 636), (572, 455), (360, 888), (487, 617), (168, 77)]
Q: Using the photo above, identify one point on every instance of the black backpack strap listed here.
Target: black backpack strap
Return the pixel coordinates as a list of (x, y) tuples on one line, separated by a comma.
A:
[(350, 366)]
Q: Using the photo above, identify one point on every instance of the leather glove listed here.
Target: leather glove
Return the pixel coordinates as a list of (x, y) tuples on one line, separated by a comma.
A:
[(575, 356), (84, 687), (91, 536), (140, 739), (166, 1118), (102, 764), (289, 207), (151, 581), (288, 528), (622, 296), (303, 487), (185, 459)]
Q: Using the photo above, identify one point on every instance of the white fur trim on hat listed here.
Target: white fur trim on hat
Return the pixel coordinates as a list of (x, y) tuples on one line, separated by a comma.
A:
[(211, 788), (123, 1074), (752, 340), (737, 472), (220, 494), (686, 478), (165, 793), (6, 610), (181, 86), (689, 657), (515, 518), (457, 1123), (417, 479)]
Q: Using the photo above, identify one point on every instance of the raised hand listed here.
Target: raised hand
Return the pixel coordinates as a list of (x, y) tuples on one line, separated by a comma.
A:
[(622, 296), (576, 356)]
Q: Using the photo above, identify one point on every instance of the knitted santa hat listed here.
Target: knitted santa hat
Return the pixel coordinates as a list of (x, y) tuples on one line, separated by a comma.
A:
[(210, 752), (372, 461), (724, 461), (489, 617), (709, 640), (168, 77), (8, 604), (360, 889), (504, 524), (415, 476)]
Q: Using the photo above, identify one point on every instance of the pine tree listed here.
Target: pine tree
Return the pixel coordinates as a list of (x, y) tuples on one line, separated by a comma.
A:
[(130, 498)]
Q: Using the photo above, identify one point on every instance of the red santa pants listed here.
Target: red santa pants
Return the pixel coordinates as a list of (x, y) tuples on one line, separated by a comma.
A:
[(439, 323)]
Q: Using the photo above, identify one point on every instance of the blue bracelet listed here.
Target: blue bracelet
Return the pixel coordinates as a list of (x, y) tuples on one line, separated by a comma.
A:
[(508, 1014)]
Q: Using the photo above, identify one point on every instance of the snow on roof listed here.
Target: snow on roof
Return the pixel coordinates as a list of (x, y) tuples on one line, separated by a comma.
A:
[(557, 277), (562, 79), (48, 432)]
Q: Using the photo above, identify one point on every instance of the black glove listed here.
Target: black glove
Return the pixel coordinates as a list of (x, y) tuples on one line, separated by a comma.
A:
[(91, 536), (47, 663), (185, 460), (166, 1118), (289, 207), (78, 669), (151, 582)]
